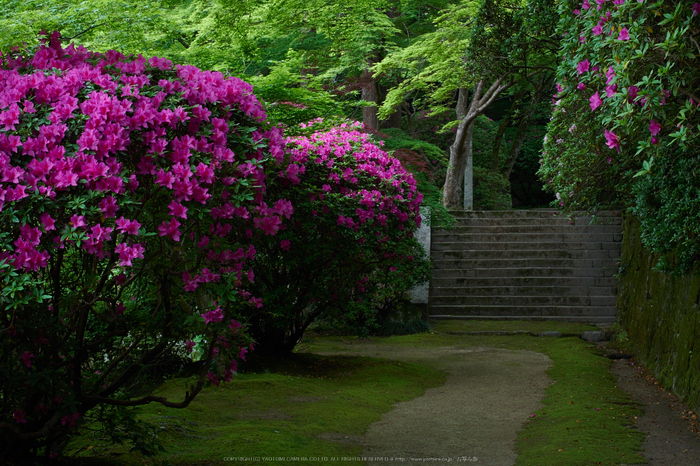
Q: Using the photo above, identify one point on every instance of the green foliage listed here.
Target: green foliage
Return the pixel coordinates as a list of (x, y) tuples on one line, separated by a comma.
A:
[(291, 98), (667, 202), (100, 25), (639, 147), (491, 190)]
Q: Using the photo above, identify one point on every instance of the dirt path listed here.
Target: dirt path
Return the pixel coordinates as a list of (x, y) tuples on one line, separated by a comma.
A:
[(473, 418), (666, 421)]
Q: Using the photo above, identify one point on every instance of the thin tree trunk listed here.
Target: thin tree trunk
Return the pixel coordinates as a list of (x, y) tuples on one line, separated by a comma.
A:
[(460, 150)]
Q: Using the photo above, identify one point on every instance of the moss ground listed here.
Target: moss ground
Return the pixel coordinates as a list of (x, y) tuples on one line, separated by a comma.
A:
[(291, 407), (281, 414)]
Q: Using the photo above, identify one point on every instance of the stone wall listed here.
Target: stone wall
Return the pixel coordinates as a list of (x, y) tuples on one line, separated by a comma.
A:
[(661, 314)]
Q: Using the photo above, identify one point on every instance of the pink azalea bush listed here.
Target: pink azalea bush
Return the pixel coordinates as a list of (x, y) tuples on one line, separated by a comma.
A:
[(346, 251), (626, 125), (130, 191)]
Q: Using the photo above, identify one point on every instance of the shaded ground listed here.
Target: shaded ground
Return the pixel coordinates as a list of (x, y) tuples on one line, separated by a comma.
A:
[(672, 430), (473, 418)]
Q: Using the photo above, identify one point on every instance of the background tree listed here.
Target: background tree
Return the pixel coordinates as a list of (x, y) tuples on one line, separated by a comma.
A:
[(479, 50)]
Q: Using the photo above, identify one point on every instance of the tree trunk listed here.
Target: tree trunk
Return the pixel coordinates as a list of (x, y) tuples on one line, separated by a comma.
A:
[(460, 151), (394, 120), (369, 94)]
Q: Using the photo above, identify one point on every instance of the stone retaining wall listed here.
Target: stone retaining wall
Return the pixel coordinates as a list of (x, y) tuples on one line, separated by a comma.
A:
[(661, 314)]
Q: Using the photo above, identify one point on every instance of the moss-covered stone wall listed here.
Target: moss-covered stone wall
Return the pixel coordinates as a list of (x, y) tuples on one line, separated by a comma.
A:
[(661, 314)]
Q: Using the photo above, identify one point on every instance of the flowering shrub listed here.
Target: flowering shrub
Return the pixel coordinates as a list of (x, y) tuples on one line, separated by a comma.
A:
[(348, 249), (129, 189), (626, 122)]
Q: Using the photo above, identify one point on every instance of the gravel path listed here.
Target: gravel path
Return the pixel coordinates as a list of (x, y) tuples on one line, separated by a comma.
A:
[(489, 394), (473, 418)]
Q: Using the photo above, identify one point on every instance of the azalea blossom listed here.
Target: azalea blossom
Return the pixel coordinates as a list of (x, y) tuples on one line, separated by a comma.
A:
[(654, 128), (595, 101), (215, 315), (612, 141), (624, 34), (583, 66), (26, 358)]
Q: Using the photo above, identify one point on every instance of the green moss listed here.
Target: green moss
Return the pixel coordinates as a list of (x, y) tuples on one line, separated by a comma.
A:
[(288, 413), (660, 313)]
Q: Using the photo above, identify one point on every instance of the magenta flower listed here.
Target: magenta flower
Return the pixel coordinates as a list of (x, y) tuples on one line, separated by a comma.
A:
[(583, 67), (109, 207), (285, 244), (170, 229), (127, 227), (70, 419), (610, 90), (654, 128), (581, 86), (211, 376), (77, 221), (189, 346), (696, 9), (610, 74), (595, 101), (624, 34), (27, 358), (215, 315), (18, 416), (177, 210), (47, 221), (612, 141), (598, 29), (269, 225)]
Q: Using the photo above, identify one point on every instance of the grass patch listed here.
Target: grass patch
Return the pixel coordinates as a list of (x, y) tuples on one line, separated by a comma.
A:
[(311, 406)]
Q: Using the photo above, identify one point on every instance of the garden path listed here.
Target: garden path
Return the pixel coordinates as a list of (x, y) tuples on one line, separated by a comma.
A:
[(473, 418)]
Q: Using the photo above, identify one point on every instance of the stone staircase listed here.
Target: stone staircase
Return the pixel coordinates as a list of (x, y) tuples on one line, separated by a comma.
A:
[(526, 264)]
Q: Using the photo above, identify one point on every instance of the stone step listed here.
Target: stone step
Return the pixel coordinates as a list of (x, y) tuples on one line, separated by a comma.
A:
[(462, 251), (523, 272), (504, 300), (524, 246), (533, 264), (529, 213), (525, 311), (518, 228), (554, 221), (456, 263), (599, 320), (448, 281), (521, 290), (564, 238)]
